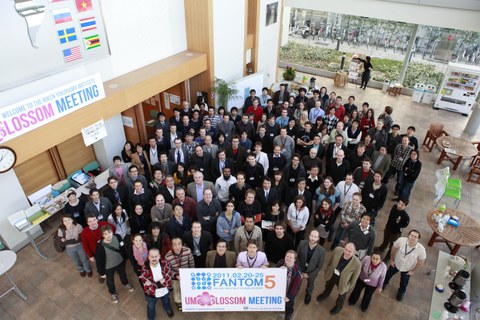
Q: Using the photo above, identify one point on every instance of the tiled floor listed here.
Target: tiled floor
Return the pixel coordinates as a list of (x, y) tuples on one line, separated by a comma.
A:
[(56, 291)]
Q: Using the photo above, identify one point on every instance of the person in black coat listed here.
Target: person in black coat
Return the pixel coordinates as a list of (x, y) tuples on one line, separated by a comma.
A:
[(142, 196), (140, 220), (179, 224), (203, 160), (237, 153), (204, 245), (301, 189), (374, 194), (276, 160), (333, 147), (157, 238), (260, 195), (339, 168), (118, 197), (253, 171), (266, 140), (220, 162), (293, 171)]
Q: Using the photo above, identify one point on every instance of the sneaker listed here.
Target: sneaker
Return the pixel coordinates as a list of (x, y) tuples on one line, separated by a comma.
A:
[(170, 314), (83, 274), (101, 279), (129, 287), (114, 298), (179, 306)]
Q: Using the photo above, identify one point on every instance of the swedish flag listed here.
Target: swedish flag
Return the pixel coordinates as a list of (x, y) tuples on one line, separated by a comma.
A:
[(67, 35)]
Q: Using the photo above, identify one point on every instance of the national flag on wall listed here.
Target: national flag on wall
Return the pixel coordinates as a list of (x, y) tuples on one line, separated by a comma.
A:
[(91, 42), (62, 15), (72, 54), (67, 35), (88, 24), (83, 5), (53, 1)]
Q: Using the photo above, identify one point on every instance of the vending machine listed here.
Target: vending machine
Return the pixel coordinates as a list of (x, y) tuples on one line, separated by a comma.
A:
[(459, 89)]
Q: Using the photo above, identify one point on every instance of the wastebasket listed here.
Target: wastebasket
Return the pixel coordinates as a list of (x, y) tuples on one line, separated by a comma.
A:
[(418, 91), (430, 94), (386, 83)]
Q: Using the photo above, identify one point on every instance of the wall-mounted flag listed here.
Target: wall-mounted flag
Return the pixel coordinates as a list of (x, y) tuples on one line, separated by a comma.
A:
[(67, 35), (91, 42), (88, 24), (83, 5), (62, 15), (72, 54)]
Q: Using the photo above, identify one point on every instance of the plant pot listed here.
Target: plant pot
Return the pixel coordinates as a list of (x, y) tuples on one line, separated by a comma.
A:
[(289, 77)]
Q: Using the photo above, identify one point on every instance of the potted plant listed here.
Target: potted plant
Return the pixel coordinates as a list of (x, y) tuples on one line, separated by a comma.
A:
[(224, 91), (289, 73)]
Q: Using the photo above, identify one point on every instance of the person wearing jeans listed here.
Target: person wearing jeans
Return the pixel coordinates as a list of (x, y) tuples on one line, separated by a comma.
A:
[(408, 256), (110, 258), (156, 277), (410, 172), (69, 234)]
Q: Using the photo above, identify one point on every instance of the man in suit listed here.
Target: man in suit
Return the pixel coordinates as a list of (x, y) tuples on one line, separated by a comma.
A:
[(237, 153), (168, 191), (245, 126), (140, 196), (200, 242), (276, 160), (227, 127), (134, 176), (179, 153), (171, 135), (152, 151), (301, 190), (219, 163), (333, 148), (265, 195), (167, 166), (343, 270), (310, 267), (381, 160), (264, 139), (101, 207), (117, 193), (209, 147), (203, 161), (162, 123), (195, 189), (221, 258), (281, 95), (119, 170)]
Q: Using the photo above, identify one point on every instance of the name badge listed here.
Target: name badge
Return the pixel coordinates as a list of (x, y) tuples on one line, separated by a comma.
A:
[(366, 280), (271, 134), (336, 272), (100, 217), (252, 178), (401, 159), (275, 169), (308, 171), (371, 195), (284, 150), (201, 169), (121, 243), (142, 231), (76, 215), (365, 232), (292, 180)]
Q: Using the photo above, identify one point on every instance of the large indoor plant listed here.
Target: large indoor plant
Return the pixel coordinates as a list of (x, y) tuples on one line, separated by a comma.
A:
[(224, 91), (289, 73)]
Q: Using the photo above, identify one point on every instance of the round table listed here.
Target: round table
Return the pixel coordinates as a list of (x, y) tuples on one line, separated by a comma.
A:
[(457, 147), (7, 261), (466, 234)]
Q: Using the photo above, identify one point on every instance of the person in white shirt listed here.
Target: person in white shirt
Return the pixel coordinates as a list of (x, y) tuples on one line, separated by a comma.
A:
[(223, 184), (297, 218), (346, 189), (261, 157), (408, 256)]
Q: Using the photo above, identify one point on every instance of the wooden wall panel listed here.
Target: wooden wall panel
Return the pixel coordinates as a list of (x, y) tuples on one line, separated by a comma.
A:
[(131, 88), (74, 154), (131, 134), (36, 173)]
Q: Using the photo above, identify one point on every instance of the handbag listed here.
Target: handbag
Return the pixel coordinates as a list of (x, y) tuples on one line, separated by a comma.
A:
[(57, 242)]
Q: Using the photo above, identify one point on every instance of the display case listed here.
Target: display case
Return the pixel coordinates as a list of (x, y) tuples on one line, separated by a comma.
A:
[(459, 89)]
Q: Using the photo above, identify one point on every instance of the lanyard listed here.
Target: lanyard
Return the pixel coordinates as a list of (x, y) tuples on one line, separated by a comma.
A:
[(407, 253), (246, 236), (249, 259), (347, 191), (373, 270), (296, 214)]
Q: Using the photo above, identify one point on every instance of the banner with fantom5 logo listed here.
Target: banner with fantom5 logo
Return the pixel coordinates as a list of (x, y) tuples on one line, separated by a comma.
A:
[(219, 290)]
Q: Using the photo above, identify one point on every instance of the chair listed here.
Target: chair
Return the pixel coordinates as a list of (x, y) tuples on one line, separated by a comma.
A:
[(452, 193), (435, 131), (446, 187), (475, 170), (477, 157), (92, 168), (153, 119)]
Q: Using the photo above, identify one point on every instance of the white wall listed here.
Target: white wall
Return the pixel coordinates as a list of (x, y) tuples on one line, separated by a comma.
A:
[(112, 144), (268, 43), (413, 13), (228, 38), (139, 34)]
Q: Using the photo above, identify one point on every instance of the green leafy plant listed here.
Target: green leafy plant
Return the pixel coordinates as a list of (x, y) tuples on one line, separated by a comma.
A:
[(289, 73), (224, 91)]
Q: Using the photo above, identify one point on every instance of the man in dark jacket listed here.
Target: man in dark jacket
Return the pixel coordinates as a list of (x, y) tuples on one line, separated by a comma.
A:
[(200, 242), (294, 281), (374, 194)]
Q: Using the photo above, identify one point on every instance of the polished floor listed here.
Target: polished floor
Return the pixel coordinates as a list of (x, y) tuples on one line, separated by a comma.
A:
[(56, 291)]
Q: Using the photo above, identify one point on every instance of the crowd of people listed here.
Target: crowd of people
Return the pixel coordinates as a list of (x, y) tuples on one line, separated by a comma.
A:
[(220, 189)]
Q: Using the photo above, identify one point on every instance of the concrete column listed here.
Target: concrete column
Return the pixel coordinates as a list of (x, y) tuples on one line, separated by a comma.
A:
[(474, 121), (406, 61), (112, 144)]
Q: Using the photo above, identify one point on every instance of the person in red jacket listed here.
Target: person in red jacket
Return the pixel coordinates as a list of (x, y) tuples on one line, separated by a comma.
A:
[(156, 277), (91, 236), (256, 110)]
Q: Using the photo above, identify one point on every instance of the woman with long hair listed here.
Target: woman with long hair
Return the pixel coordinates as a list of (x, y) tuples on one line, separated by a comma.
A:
[(324, 219), (368, 121), (127, 152), (328, 190), (119, 218), (297, 218)]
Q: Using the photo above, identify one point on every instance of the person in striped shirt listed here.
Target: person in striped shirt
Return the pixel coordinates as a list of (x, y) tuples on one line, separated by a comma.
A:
[(179, 257)]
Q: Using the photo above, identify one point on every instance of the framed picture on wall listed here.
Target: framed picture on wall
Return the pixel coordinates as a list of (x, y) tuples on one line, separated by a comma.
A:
[(272, 12)]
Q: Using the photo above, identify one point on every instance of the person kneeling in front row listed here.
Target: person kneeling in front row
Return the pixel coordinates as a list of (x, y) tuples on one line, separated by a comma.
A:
[(156, 277)]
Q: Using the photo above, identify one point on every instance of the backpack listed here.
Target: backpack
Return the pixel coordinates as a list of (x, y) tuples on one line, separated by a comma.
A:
[(57, 242)]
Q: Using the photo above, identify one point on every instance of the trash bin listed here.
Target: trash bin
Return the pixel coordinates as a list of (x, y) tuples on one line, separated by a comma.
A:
[(386, 83), (430, 94), (418, 91)]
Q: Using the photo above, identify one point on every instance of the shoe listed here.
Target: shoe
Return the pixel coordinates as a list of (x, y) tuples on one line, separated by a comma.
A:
[(350, 303), (101, 280), (308, 298), (170, 314), (114, 298), (335, 310), (363, 309), (395, 199), (400, 296), (321, 297), (288, 316), (83, 274), (129, 287), (179, 306), (364, 88), (90, 274)]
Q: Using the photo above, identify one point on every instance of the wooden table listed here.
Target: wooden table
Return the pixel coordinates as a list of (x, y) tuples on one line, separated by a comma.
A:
[(340, 79), (7, 261), (395, 90), (466, 234), (457, 147)]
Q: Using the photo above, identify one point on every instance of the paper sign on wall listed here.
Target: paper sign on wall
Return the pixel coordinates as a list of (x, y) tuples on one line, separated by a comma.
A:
[(166, 100), (94, 132), (127, 121), (174, 99)]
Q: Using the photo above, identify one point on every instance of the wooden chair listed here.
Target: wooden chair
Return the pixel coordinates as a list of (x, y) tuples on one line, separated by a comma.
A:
[(475, 170), (477, 157), (435, 131)]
